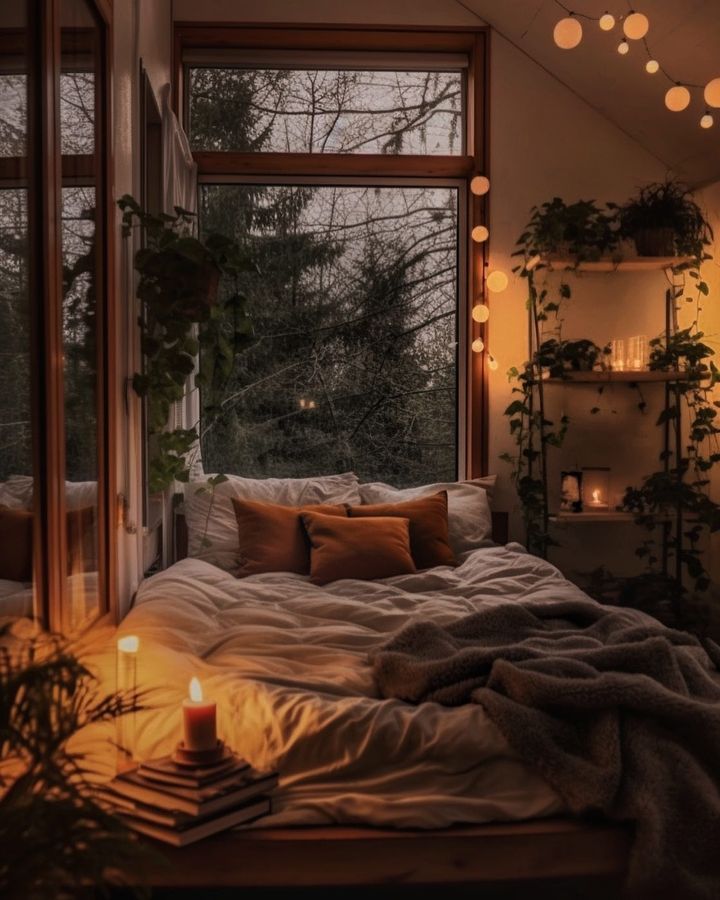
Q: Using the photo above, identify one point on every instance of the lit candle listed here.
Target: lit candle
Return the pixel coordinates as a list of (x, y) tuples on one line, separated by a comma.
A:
[(596, 501), (200, 720)]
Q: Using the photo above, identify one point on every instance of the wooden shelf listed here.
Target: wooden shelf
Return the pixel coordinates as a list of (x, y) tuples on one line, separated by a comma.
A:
[(628, 264), (593, 518), (624, 377)]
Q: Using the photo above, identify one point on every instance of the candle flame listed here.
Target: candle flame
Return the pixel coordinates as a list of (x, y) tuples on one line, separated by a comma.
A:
[(596, 495), (196, 693), (130, 643)]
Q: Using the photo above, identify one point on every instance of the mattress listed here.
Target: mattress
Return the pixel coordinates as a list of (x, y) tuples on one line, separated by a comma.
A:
[(287, 663)]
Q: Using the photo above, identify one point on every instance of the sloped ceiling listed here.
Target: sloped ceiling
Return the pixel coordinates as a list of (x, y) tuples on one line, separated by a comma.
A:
[(684, 36)]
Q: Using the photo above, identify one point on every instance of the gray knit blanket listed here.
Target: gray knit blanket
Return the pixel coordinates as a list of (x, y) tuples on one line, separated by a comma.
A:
[(618, 713)]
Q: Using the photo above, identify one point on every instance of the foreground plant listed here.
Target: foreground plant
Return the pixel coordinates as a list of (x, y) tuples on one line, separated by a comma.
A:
[(55, 838)]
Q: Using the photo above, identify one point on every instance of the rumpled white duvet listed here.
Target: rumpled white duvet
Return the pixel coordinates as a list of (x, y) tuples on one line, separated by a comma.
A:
[(287, 663)]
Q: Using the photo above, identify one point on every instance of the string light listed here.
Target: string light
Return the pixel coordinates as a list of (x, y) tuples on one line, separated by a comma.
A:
[(712, 93), (636, 26), (480, 313), (492, 362), (677, 98), (477, 345), (497, 281), (480, 185), (568, 33), (479, 234)]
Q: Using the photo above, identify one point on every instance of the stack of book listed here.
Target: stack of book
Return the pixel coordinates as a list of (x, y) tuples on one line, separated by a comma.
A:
[(180, 804)]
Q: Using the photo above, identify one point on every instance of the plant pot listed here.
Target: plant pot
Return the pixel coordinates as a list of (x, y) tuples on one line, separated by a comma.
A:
[(655, 242)]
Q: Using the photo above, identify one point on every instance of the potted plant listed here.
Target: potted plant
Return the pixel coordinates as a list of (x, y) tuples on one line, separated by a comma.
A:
[(179, 280), (559, 357), (57, 839), (664, 220), (580, 230)]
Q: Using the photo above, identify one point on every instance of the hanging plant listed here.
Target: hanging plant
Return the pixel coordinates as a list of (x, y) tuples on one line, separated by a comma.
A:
[(183, 309), (581, 231)]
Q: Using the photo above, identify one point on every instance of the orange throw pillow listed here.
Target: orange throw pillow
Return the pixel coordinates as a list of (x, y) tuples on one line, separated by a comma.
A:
[(16, 544), (272, 537), (429, 542), (368, 548)]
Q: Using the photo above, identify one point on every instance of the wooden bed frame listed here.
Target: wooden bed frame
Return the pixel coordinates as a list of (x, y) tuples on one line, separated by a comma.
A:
[(503, 859)]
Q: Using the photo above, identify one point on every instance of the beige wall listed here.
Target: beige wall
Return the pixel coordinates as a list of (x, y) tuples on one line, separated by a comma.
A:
[(544, 141), (142, 31)]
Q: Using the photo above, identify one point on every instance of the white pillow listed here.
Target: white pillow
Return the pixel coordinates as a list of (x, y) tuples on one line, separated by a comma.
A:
[(17, 492), (469, 519), (212, 526)]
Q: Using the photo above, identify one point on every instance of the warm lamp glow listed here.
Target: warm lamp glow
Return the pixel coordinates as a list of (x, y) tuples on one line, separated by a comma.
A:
[(130, 643), (479, 234), (652, 66), (712, 93), (492, 363), (567, 33), (677, 98), (477, 345), (497, 281), (480, 185), (480, 313), (607, 22), (707, 121), (623, 48), (195, 691), (636, 26)]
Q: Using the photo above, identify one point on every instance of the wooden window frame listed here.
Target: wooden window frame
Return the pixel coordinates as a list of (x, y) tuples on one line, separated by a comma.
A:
[(473, 43), (43, 172)]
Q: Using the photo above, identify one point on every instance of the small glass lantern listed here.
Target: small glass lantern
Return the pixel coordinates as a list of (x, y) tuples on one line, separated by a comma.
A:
[(596, 488)]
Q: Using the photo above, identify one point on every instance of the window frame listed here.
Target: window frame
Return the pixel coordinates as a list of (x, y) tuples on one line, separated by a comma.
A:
[(225, 166)]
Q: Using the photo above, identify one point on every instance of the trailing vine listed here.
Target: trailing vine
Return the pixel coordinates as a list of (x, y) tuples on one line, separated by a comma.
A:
[(184, 309)]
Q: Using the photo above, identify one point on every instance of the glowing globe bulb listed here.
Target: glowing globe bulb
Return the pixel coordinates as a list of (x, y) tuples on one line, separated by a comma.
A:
[(479, 234), (567, 33), (652, 66), (492, 363), (497, 281), (712, 93), (677, 98), (636, 26), (477, 346), (480, 185), (707, 121), (480, 313), (130, 643), (607, 22), (623, 48)]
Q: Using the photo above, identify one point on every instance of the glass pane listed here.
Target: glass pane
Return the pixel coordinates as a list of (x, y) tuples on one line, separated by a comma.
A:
[(324, 111), (80, 255), (16, 452), (355, 312)]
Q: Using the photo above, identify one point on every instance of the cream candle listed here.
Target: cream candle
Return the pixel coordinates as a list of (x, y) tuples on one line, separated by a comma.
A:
[(199, 719)]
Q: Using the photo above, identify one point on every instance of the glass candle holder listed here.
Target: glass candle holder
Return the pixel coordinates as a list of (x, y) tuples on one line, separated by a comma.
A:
[(596, 488), (617, 354)]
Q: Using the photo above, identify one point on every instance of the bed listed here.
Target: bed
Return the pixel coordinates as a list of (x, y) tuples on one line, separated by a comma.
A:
[(432, 793)]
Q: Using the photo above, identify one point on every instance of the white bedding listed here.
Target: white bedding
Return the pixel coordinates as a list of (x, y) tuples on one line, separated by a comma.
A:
[(287, 663)]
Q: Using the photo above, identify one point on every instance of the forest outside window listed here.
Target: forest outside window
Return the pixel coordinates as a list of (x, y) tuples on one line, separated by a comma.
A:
[(359, 305)]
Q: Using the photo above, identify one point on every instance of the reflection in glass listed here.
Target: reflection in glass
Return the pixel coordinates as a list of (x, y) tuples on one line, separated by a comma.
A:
[(326, 111), (356, 368), (16, 452), (78, 108)]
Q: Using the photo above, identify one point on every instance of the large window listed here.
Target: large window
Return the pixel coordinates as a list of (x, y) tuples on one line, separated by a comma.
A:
[(344, 173)]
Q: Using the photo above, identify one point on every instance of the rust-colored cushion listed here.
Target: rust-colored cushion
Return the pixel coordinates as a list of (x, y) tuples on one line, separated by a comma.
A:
[(16, 544), (429, 543), (369, 548), (272, 537)]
